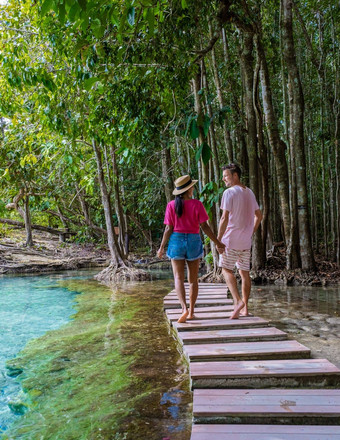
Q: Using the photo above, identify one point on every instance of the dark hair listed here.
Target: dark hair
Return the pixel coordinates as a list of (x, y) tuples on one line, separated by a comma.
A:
[(179, 204), (233, 168)]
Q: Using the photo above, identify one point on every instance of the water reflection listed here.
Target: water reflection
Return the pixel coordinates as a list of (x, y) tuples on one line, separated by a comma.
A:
[(309, 314)]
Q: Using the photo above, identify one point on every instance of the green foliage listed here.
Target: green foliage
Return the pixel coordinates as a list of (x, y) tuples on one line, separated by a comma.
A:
[(119, 73)]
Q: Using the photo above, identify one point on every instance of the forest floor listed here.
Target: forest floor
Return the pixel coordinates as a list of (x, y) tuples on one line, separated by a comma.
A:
[(49, 254), (326, 272)]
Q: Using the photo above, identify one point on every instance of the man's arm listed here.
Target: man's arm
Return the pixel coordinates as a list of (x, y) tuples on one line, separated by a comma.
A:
[(257, 220), (223, 224)]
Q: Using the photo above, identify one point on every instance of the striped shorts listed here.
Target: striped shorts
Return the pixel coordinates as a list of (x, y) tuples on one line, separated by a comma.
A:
[(234, 256)]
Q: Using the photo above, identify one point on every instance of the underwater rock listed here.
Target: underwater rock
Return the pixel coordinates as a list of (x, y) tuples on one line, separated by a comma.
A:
[(18, 408), (13, 371)]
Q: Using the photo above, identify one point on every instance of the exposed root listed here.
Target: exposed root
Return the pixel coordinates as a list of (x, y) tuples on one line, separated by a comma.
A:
[(114, 273), (215, 276)]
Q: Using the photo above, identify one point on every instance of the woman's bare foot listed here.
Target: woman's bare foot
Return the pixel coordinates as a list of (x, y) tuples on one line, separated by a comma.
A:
[(238, 307), (183, 316)]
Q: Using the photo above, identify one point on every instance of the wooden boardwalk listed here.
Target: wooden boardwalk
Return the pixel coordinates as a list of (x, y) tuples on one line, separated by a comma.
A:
[(249, 381)]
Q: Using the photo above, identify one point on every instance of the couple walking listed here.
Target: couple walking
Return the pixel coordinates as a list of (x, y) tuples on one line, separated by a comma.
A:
[(240, 219)]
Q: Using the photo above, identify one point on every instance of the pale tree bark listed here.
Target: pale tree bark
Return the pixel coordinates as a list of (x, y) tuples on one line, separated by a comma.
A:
[(226, 133), (122, 223), (336, 111), (202, 168), (116, 257), (247, 68), (215, 176), (297, 136), (263, 159), (294, 244), (167, 173), (28, 222), (95, 230), (331, 103), (25, 213), (277, 145)]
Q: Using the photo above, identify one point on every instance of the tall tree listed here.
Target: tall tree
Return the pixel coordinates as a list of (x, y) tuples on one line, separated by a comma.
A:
[(296, 109)]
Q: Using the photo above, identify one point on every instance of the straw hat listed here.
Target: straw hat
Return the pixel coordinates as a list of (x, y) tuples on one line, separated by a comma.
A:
[(182, 184)]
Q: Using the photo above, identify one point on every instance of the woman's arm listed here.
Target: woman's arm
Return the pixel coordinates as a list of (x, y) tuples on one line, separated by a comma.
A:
[(207, 230), (223, 224), (167, 232)]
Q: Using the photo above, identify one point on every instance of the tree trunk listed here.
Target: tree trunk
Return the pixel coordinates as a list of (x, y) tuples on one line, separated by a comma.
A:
[(297, 136), (277, 145), (123, 239), (28, 222), (202, 168), (226, 133), (247, 68), (263, 159), (215, 176), (116, 257), (167, 173)]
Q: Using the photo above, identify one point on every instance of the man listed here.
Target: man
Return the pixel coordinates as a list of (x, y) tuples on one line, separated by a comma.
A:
[(240, 220)]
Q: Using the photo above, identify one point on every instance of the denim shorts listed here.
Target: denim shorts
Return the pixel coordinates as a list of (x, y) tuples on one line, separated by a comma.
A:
[(185, 246)]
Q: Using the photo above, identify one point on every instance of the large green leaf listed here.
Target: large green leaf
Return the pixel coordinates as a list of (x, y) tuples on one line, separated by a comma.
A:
[(206, 125), (194, 130), (206, 153), (88, 83), (198, 153), (151, 20), (131, 16), (46, 6)]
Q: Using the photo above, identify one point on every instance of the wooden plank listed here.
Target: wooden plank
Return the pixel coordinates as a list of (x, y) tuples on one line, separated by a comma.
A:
[(266, 406), (200, 296), (201, 315), (220, 324), (204, 291), (242, 334), (246, 350), (226, 308), (311, 373), (264, 432), (174, 304), (208, 286)]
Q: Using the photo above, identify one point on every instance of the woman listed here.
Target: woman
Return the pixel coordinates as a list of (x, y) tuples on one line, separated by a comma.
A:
[(183, 217)]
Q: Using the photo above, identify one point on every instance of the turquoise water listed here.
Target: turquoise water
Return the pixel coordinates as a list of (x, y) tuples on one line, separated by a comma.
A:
[(29, 306)]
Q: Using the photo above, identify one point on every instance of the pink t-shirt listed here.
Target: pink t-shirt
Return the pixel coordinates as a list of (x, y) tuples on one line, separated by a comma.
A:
[(241, 204), (193, 215)]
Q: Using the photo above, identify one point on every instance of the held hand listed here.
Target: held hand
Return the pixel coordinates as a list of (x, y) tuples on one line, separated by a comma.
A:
[(220, 247), (160, 253)]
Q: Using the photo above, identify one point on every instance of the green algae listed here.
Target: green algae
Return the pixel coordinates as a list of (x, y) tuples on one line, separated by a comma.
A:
[(113, 372)]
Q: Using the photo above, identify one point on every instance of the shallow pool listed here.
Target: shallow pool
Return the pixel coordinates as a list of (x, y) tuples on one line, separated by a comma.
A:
[(29, 306)]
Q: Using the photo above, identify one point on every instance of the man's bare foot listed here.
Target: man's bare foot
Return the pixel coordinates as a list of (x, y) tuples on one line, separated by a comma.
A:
[(244, 311), (191, 315), (183, 316), (238, 307)]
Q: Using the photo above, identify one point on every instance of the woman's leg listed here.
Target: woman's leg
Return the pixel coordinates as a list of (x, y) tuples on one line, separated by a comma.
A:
[(193, 268), (178, 270)]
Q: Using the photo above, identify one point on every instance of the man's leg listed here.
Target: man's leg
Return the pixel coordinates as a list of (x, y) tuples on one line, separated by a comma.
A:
[(178, 270), (193, 268), (232, 285), (246, 286)]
